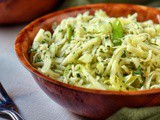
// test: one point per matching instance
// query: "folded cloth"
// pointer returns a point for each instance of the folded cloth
(148, 113)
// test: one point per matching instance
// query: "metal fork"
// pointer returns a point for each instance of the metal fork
(7, 106)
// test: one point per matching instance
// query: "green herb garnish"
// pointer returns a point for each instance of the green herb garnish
(67, 69)
(32, 50)
(138, 71)
(43, 41)
(106, 37)
(38, 60)
(124, 54)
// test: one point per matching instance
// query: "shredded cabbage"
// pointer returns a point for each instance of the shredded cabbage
(100, 52)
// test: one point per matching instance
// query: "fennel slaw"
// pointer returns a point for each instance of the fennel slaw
(100, 52)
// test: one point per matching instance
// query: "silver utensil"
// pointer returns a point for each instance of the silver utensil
(7, 106)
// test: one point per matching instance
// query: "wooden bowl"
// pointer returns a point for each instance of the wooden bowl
(97, 104)
(18, 11)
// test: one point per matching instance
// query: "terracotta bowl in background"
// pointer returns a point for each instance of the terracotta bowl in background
(18, 11)
(97, 104)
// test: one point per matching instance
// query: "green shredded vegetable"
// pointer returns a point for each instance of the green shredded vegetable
(117, 32)
(100, 52)
(69, 33)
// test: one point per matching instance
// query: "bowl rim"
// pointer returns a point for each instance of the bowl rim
(29, 67)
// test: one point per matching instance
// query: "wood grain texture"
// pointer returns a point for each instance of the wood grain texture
(97, 104)
(17, 11)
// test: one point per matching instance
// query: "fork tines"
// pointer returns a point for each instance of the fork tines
(5, 96)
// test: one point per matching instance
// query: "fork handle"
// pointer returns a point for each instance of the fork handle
(13, 114)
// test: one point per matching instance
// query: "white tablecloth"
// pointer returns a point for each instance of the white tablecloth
(32, 102)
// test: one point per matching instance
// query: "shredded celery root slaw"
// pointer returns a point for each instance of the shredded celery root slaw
(100, 52)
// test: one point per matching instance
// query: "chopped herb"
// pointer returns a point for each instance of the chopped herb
(91, 37)
(67, 69)
(32, 50)
(84, 28)
(61, 30)
(48, 34)
(106, 37)
(101, 51)
(138, 71)
(141, 85)
(43, 41)
(38, 60)
(124, 54)
(53, 67)
(54, 37)
(110, 23)
(78, 75)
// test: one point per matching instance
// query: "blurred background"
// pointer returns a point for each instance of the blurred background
(67, 3)
(20, 11)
